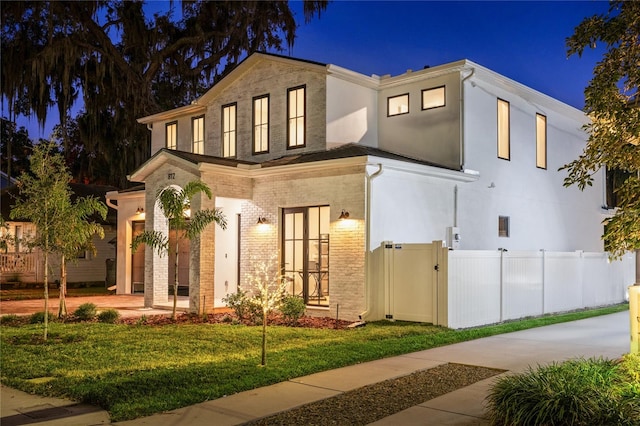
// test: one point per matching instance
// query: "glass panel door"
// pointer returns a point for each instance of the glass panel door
(306, 253)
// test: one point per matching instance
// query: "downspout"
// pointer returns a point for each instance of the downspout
(462, 140)
(367, 240)
(110, 203)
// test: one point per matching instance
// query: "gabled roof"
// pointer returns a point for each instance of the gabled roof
(199, 105)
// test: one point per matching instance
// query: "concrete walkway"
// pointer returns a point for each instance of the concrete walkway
(604, 336)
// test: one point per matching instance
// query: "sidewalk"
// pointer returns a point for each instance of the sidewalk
(604, 336)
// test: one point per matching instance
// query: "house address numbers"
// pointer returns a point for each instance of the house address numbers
(171, 176)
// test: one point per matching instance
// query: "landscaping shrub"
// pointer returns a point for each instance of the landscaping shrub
(109, 316)
(10, 319)
(243, 306)
(86, 312)
(38, 318)
(575, 392)
(292, 308)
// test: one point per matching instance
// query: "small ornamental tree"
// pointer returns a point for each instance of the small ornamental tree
(174, 202)
(268, 291)
(44, 197)
(79, 236)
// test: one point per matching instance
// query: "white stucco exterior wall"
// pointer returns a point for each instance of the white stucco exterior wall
(543, 213)
(352, 112)
(226, 254)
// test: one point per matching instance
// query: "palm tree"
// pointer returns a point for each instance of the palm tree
(174, 203)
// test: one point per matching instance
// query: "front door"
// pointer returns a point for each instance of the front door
(305, 260)
(137, 260)
(183, 264)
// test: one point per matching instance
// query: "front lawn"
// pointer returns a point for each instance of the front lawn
(138, 370)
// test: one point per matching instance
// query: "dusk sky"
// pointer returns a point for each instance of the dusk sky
(522, 40)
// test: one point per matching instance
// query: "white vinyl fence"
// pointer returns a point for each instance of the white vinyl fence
(486, 287)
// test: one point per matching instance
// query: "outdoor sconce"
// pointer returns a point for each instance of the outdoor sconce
(140, 210)
(262, 221)
(344, 215)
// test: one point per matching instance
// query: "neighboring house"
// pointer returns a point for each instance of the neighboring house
(21, 264)
(321, 165)
(6, 181)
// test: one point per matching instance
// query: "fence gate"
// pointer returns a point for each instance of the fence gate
(410, 276)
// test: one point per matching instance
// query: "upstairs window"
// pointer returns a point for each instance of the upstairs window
(397, 105)
(541, 141)
(172, 135)
(261, 124)
(433, 98)
(197, 135)
(229, 130)
(503, 130)
(296, 117)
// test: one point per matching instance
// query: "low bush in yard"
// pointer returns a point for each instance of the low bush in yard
(575, 392)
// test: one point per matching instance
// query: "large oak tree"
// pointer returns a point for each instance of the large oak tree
(124, 64)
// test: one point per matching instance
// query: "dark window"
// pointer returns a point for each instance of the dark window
(503, 226)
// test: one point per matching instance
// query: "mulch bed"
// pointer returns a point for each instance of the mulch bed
(185, 318)
(368, 404)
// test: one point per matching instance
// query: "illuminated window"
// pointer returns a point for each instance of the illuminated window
(295, 116)
(541, 141)
(229, 130)
(503, 130)
(433, 98)
(261, 124)
(503, 226)
(172, 135)
(397, 105)
(197, 135)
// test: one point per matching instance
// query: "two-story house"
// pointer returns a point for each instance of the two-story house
(319, 165)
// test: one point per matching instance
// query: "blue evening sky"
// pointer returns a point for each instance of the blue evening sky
(523, 40)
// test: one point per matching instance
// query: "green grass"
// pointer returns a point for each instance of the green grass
(135, 371)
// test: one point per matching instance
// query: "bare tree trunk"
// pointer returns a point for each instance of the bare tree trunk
(175, 280)
(62, 310)
(264, 337)
(46, 291)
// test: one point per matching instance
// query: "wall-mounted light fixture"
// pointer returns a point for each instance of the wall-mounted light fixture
(262, 221)
(344, 215)
(140, 210)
